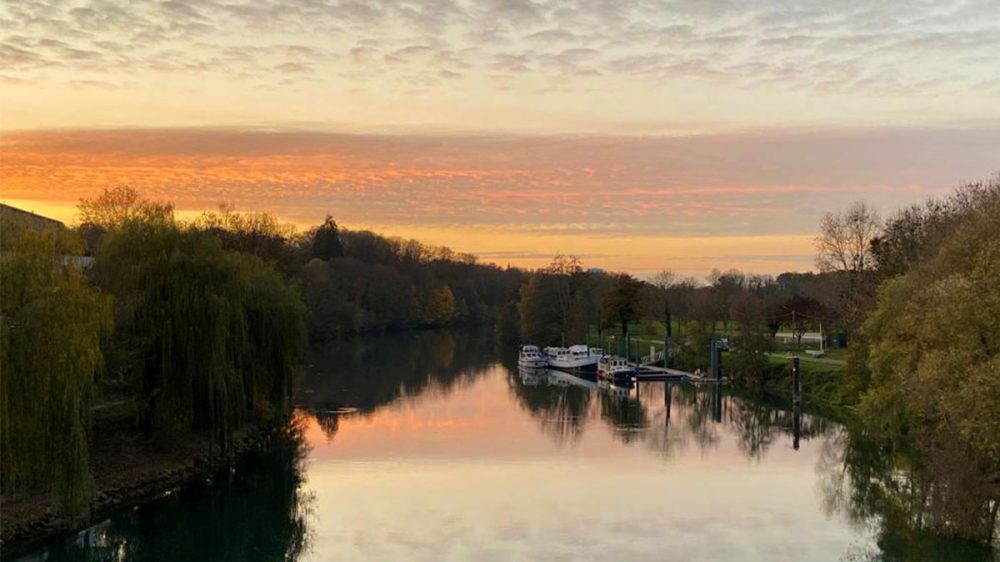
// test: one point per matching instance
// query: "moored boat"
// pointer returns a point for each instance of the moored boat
(573, 358)
(614, 367)
(530, 357)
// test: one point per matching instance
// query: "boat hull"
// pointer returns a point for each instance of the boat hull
(574, 365)
(617, 375)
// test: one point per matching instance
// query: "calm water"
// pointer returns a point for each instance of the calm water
(433, 447)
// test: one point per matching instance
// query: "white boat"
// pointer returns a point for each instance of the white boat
(531, 358)
(573, 358)
(614, 367)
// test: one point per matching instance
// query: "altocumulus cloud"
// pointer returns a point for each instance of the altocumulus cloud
(699, 185)
(909, 48)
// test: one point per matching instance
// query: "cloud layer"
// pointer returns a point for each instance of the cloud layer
(751, 199)
(557, 66)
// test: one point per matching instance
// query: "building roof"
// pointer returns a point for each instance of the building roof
(33, 220)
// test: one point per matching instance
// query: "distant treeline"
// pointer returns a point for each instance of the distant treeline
(358, 281)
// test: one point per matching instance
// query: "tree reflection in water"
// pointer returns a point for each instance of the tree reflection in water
(909, 498)
(923, 503)
(255, 512)
(356, 376)
(624, 412)
(560, 401)
(915, 500)
(665, 416)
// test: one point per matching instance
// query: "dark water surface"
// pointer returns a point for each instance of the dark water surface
(431, 446)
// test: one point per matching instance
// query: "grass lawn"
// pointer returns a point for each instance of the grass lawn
(808, 365)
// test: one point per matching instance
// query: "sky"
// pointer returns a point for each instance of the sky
(684, 134)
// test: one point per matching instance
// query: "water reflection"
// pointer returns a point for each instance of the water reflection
(431, 446)
(255, 512)
(355, 376)
(566, 403)
(926, 505)
(560, 401)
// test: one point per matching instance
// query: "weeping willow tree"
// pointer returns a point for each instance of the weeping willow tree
(275, 337)
(51, 322)
(207, 336)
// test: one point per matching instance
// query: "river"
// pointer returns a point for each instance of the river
(433, 446)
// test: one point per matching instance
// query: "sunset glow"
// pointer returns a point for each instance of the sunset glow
(641, 137)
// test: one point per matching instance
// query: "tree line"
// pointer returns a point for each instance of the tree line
(358, 281)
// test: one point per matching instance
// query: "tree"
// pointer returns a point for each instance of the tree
(508, 327)
(566, 272)
(255, 233)
(326, 242)
(725, 287)
(332, 303)
(440, 307)
(538, 307)
(913, 235)
(799, 313)
(749, 363)
(51, 323)
(205, 335)
(844, 241)
(118, 205)
(658, 303)
(933, 353)
(844, 245)
(621, 303)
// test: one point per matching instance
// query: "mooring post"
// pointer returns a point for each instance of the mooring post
(718, 362)
(717, 402)
(667, 397)
(666, 339)
(711, 359)
(796, 381)
(666, 351)
(796, 425)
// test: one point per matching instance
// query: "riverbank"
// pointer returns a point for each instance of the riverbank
(128, 470)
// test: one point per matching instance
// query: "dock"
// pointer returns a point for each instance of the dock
(652, 373)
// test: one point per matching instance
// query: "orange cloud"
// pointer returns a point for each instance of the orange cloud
(636, 204)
